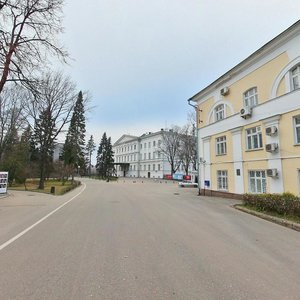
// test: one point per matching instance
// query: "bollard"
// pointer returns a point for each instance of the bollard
(52, 190)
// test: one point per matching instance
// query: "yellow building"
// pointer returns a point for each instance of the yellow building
(249, 122)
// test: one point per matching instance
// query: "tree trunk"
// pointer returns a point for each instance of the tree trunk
(42, 176)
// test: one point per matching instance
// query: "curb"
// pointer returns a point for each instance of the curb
(279, 221)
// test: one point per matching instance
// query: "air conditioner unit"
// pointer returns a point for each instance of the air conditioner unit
(273, 147)
(272, 130)
(272, 172)
(224, 91)
(246, 112)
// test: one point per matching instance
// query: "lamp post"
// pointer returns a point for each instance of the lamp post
(197, 146)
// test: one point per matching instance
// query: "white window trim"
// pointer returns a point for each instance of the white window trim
(218, 112)
(224, 141)
(227, 108)
(248, 97)
(253, 134)
(264, 188)
(292, 77)
(222, 176)
(285, 72)
(295, 126)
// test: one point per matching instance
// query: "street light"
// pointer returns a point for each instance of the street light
(197, 148)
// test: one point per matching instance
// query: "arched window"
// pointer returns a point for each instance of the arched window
(250, 97)
(295, 77)
(219, 112)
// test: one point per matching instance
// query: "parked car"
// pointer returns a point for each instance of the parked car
(187, 183)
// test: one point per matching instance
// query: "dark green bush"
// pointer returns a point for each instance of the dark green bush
(283, 204)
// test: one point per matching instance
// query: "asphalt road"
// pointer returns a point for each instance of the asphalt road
(140, 241)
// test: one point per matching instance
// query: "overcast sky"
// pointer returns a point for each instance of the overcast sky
(141, 60)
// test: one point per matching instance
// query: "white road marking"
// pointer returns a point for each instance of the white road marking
(39, 221)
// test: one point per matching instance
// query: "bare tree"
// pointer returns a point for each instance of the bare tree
(12, 116)
(28, 32)
(170, 146)
(187, 151)
(50, 109)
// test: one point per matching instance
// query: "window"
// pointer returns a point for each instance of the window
(149, 167)
(297, 129)
(154, 143)
(149, 144)
(145, 145)
(295, 73)
(159, 143)
(257, 182)
(250, 97)
(144, 167)
(149, 155)
(144, 155)
(153, 167)
(254, 138)
(221, 145)
(158, 167)
(222, 178)
(219, 112)
(141, 146)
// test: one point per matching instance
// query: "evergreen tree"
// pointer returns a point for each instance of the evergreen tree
(44, 138)
(105, 157)
(101, 156)
(73, 152)
(90, 148)
(109, 158)
(17, 156)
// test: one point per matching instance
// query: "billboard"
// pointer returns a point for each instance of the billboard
(3, 182)
(177, 176)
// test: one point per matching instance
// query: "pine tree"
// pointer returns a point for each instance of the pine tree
(44, 138)
(90, 148)
(109, 158)
(105, 157)
(100, 165)
(73, 152)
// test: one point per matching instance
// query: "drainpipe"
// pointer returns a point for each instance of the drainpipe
(197, 146)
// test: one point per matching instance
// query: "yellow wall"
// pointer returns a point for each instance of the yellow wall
(288, 148)
(262, 78)
(253, 154)
(286, 134)
(221, 158)
(205, 109)
(230, 170)
(281, 90)
(290, 169)
(254, 165)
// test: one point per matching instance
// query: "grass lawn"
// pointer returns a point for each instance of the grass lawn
(32, 185)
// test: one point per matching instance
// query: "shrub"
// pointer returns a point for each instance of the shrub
(283, 204)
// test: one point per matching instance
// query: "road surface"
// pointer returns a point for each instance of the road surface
(141, 240)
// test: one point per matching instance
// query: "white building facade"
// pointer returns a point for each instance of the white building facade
(142, 157)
